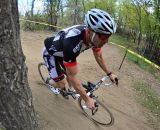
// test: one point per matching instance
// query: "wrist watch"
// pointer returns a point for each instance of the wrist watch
(109, 73)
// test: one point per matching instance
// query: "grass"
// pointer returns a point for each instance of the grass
(147, 97)
(150, 100)
(1, 127)
(140, 62)
(144, 65)
(119, 39)
(124, 41)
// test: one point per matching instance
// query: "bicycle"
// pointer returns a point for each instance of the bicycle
(101, 115)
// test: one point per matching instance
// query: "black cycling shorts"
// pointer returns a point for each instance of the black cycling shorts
(55, 66)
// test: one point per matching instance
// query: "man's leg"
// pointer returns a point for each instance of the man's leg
(55, 71)
(59, 84)
(69, 84)
(57, 74)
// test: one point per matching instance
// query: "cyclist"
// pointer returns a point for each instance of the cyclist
(61, 50)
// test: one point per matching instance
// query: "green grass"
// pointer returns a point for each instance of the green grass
(119, 39)
(140, 62)
(150, 100)
(124, 41)
(147, 97)
(2, 128)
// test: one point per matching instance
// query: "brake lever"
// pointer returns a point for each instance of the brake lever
(111, 83)
(116, 79)
(96, 109)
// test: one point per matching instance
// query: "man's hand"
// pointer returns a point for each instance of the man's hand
(113, 78)
(90, 103)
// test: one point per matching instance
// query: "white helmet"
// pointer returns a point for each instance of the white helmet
(100, 21)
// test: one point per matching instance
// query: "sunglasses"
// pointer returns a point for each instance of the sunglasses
(103, 37)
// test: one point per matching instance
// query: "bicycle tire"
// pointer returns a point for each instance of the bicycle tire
(104, 116)
(43, 71)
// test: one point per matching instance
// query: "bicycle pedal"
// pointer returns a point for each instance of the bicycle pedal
(64, 94)
(47, 80)
(73, 96)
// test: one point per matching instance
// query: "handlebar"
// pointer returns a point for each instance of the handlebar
(107, 84)
(93, 87)
(90, 88)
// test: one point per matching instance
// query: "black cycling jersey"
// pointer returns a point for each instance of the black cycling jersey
(68, 44)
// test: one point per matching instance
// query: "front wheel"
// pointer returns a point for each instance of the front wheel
(102, 116)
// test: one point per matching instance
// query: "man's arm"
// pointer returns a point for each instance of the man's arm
(101, 62)
(75, 82)
(72, 76)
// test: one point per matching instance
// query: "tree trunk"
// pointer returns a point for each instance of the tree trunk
(75, 13)
(84, 9)
(62, 14)
(32, 7)
(16, 107)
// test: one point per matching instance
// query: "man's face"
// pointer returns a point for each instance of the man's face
(99, 39)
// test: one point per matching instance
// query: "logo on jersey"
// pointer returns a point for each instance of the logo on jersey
(78, 47)
(52, 48)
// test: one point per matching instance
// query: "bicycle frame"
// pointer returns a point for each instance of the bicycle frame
(93, 88)
(97, 85)
(90, 88)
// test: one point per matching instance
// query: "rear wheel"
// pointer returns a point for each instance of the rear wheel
(102, 116)
(43, 71)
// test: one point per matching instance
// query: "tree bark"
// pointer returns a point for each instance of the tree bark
(16, 107)
(75, 13)
(32, 7)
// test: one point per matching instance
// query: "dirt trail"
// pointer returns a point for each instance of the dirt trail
(56, 113)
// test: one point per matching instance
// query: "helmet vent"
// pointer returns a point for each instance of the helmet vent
(88, 24)
(93, 19)
(107, 17)
(101, 29)
(109, 25)
(100, 16)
